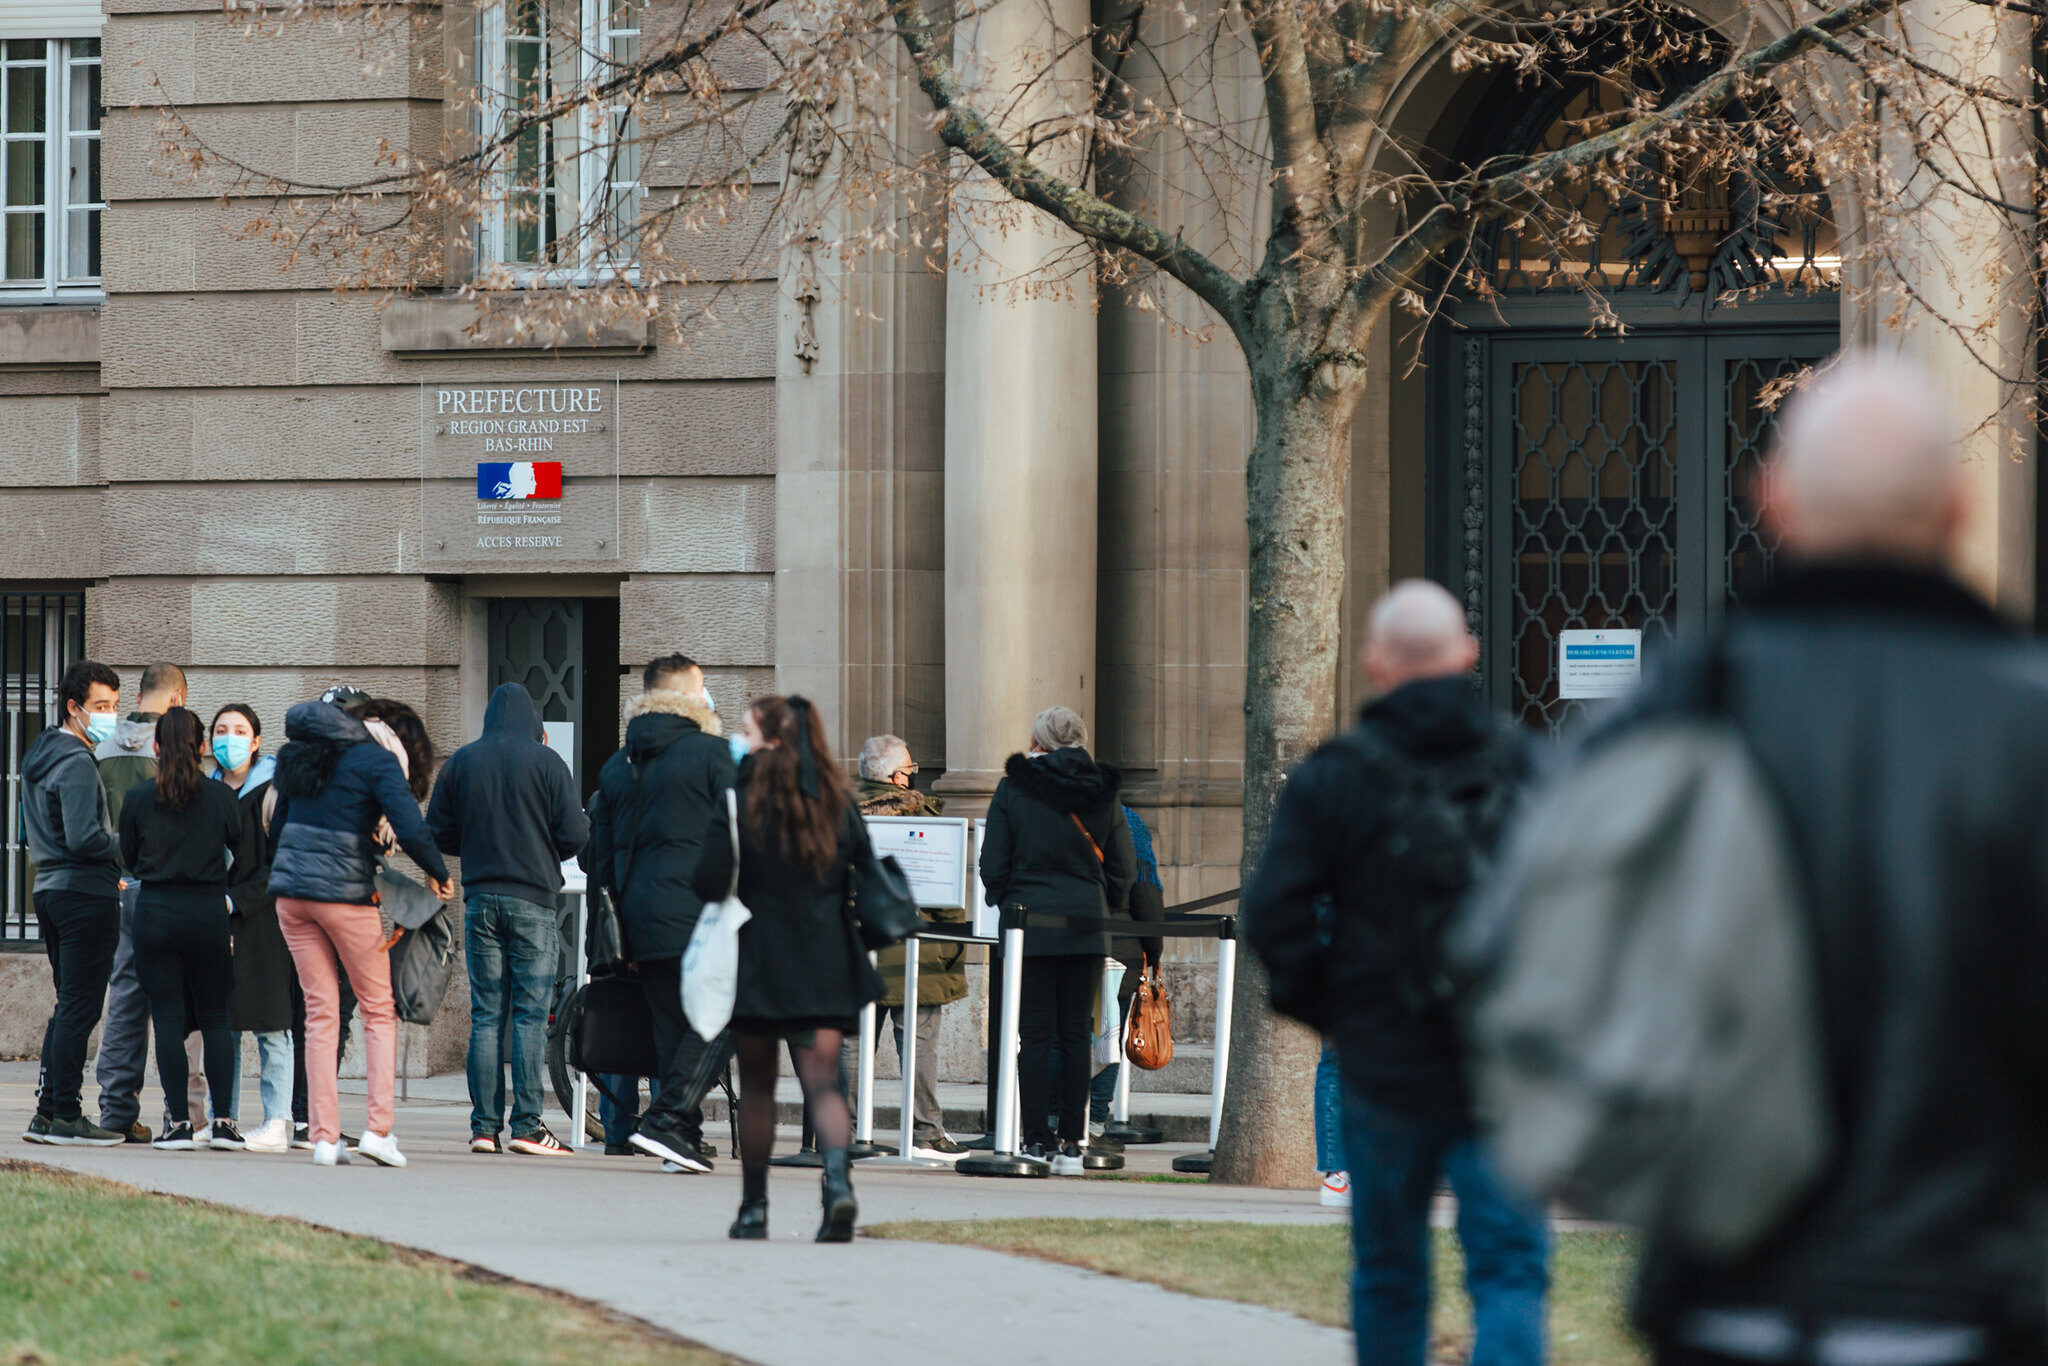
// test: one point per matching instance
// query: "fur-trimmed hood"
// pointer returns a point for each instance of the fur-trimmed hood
(688, 705)
(1067, 780)
(875, 798)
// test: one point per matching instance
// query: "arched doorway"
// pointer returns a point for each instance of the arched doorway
(1583, 479)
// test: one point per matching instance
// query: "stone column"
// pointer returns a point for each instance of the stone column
(1020, 420)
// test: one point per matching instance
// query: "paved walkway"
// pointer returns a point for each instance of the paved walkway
(614, 1230)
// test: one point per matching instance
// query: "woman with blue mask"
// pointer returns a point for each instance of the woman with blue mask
(265, 981)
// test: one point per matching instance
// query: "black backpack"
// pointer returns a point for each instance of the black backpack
(1439, 843)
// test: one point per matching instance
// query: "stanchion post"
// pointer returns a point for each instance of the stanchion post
(906, 1053)
(581, 1107)
(864, 1132)
(1226, 987)
(1003, 1125)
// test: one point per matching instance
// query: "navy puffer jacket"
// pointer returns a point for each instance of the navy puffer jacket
(333, 782)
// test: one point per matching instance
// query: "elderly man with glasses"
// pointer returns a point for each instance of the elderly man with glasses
(886, 773)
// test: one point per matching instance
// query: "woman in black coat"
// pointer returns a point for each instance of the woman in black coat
(1056, 841)
(803, 975)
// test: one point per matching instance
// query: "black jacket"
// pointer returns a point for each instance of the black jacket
(506, 806)
(264, 974)
(801, 961)
(65, 818)
(658, 794)
(1905, 730)
(1033, 856)
(187, 850)
(333, 782)
(1330, 911)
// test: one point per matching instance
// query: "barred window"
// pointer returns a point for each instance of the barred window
(49, 168)
(568, 190)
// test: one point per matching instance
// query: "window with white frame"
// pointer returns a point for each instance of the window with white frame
(568, 192)
(49, 168)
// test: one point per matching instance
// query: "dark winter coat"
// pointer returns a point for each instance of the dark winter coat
(264, 973)
(1329, 910)
(659, 795)
(1905, 729)
(333, 782)
(64, 817)
(1148, 902)
(941, 968)
(801, 961)
(1033, 856)
(506, 806)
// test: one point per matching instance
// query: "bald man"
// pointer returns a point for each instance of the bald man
(1905, 729)
(1377, 837)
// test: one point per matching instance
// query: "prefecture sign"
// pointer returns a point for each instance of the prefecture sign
(1593, 664)
(932, 853)
(519, 472)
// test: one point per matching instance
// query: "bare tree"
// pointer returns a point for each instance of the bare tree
(1299, 217)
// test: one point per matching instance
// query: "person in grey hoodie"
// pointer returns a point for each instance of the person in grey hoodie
(506, 806)
(128, 757)
(77, 892)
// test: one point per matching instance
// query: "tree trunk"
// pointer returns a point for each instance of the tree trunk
(1295, 517)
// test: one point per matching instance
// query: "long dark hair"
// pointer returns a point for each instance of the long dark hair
(794, 788)
(178, 740)
(405, 723)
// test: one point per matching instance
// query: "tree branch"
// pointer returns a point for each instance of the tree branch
(1301, 169)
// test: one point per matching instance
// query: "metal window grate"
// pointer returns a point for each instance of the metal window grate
(41, 635)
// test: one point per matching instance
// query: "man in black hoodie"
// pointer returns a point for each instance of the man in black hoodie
(658, 796)
(1377, 836)
(505, 804)
(77, 892)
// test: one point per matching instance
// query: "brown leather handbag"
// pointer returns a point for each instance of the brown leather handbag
(1148, 1040)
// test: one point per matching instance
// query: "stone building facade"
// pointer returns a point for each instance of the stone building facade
(933, 510)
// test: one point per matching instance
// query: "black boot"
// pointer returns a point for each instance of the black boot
(841, 1209)
(752, 1222)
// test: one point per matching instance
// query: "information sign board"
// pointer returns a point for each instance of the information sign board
(1593, 664)
(519, 472)
(932, 852)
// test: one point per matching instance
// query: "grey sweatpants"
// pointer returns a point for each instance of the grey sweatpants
(124, 1033)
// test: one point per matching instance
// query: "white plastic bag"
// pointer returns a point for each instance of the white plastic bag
(711, 965)
(1109, 1020)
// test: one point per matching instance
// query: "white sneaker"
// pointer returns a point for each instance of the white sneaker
(330, 1154)
(1095, 1128)
(1066, 1163)
(381, 1149)
(271, 1136)
(1337, 1190)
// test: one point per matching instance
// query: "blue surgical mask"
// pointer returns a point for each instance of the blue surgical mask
(738, 744)
(99, 726)
(232, 751)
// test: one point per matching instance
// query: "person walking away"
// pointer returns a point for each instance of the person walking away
(886, 771)
(1903, 727)
(128, 757)
(803, 973)
(1056, 841)
(1376, 838)
(179, 834)
(506, 805)
(76, 893)
(660, 792)
(335, 785)
(618, 1093)
(1138, 954)
(265, 981)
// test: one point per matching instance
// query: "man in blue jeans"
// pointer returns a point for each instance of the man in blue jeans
(506, 806)
(1375, 840)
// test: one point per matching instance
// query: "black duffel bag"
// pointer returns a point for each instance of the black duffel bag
(607, 1028)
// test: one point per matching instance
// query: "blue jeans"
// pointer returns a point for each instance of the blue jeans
(1395, 1162)
(620, 1120)
(1329, 1114)
(274, 1073)
(509, 947)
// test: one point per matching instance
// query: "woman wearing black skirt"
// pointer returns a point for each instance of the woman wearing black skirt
(803, 975)
(178, 834)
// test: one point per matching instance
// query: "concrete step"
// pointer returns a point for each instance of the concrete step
(1189, 1073)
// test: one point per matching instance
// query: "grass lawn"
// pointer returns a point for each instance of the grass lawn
(1306, 1271)
(92, 1271)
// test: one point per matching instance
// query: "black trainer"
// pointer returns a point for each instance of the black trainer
(38, 1130)
(227, 1135)
(670, 1145)
(176, 1138)
(302, 1137)
(80, 1132)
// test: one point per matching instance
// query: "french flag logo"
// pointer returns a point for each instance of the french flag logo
(519, 479)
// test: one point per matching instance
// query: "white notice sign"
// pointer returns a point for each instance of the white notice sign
(933, 855)
(1598, 663)
(560, 736)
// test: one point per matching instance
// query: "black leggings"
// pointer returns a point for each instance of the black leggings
(1058, 1001)
(182, 952)
(817, 1070)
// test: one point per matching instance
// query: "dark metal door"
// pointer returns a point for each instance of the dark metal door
(1617, 489)
(538, 642)
(41, 635)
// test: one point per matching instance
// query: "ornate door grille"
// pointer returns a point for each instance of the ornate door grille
(41, 635)
(1617, 482)
(538, 642)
